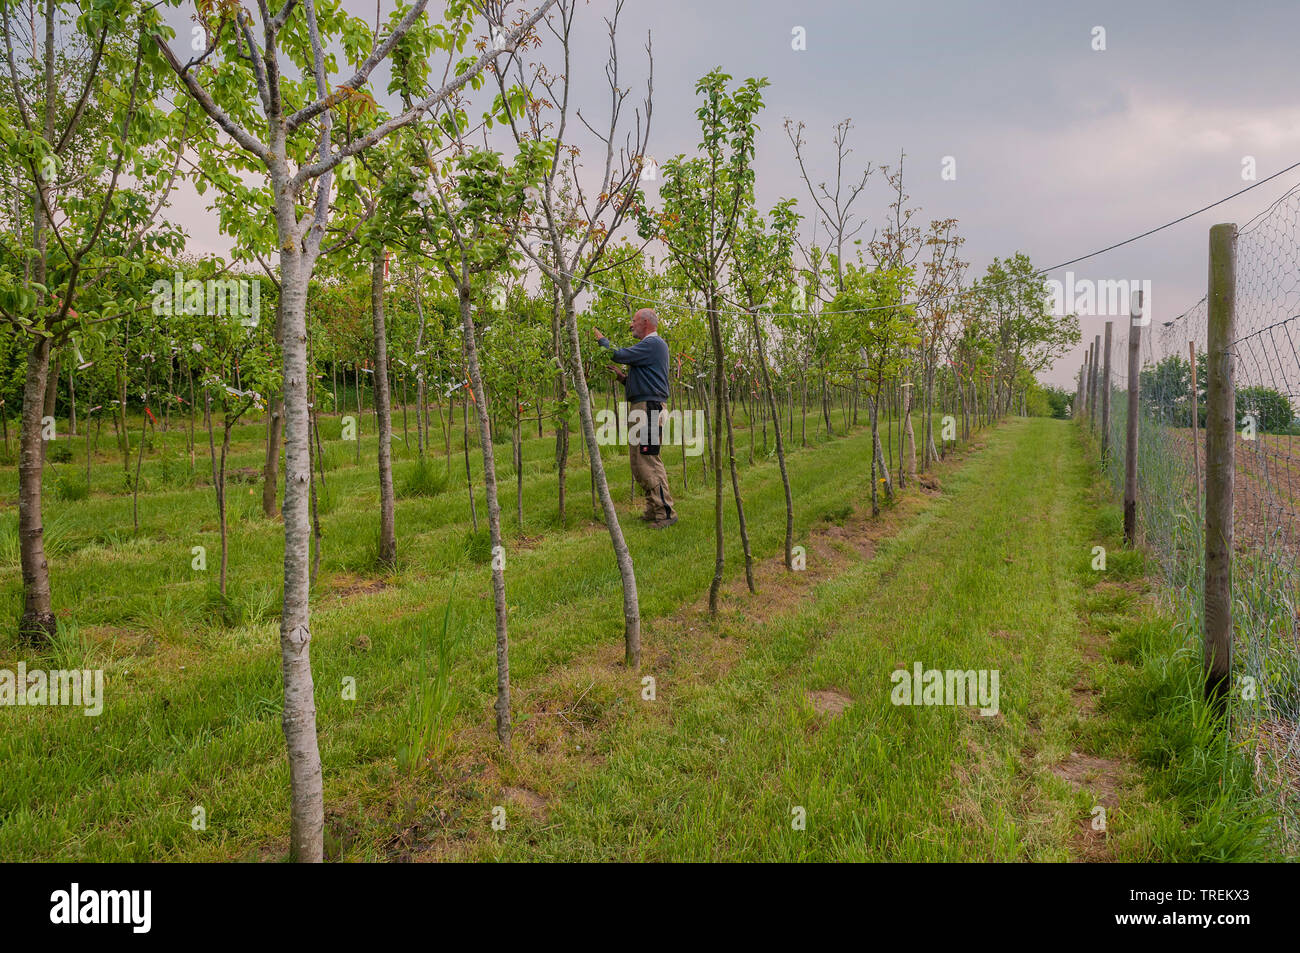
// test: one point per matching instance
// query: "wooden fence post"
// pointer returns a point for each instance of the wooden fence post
(1092, 393)
(1105, 394)
(1136, 315)
(1196, 439)
(1087, 387)
(1220, 440)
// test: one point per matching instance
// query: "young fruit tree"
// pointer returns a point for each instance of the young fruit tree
(571, 236)
(762, 267)
(80, 120)
(703, 198)
(272, 95)
(468, 217)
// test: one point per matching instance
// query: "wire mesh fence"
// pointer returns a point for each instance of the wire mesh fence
(1172, 466)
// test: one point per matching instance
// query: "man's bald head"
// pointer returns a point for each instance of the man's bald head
(643, 322)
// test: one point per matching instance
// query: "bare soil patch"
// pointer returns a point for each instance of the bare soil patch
(346, 585)
(829, 702)
(530, 802)
(1101, 777)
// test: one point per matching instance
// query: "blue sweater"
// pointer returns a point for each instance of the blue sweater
(647, 367)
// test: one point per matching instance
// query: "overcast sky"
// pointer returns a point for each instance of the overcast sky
(1059, 149)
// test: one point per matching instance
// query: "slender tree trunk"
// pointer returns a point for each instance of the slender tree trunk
(749, 414)
(315, 464)
(931, 451)
(419, 412)
(902, 402)
(690, 404)
(227, 424)
(72, 399)
(218, 484)
(88, 451)
(780, 447)
(518, 449)
(740, 506)
(880, 450)
(406, 427)
(313, 458)
(911, 439)
(826, 405)
(875, 462)
(189, 373)
(38, 622)
(719, 403)
(274, 431)
(356, 369)
(631, 605)
(562, 404)
(139, 459)
(803, 404)
(709, 459)
(123, 433)
(387, 521)
(52, 384)
(271, 464)
(446, 430)
(958, 402)
(306, 837)
(494, 519)
(469, 480)
(171, 391)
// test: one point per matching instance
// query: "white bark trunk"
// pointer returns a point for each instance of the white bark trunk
(494, 519)
(298, 719)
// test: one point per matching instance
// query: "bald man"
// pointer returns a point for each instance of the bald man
(646, 383)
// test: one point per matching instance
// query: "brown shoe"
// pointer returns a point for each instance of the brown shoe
(663, 524)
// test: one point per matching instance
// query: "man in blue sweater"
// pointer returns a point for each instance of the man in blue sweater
(646, 382)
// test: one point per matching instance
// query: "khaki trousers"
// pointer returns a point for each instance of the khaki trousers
(650, 474)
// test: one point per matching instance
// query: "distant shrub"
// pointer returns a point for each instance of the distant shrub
(1271, 408)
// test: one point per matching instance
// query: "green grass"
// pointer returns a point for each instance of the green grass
(996, 575)
(993, 573)
(192, 681)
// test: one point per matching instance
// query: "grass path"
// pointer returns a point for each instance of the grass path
(995, 574)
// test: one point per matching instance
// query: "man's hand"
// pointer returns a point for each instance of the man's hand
(598, 333)
(619, 373)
